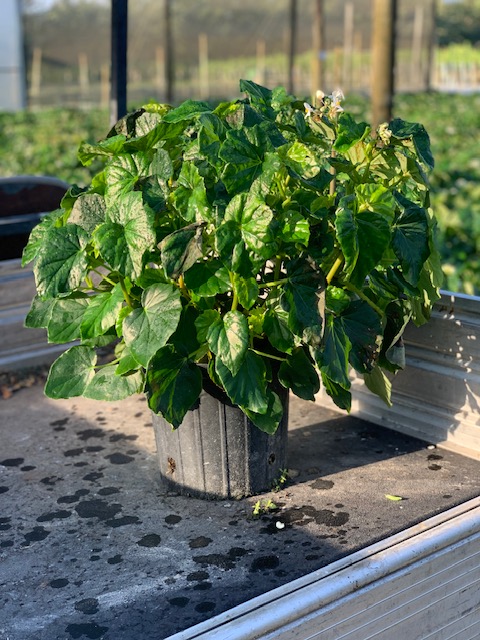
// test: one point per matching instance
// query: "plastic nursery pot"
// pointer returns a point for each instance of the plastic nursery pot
(218, 453)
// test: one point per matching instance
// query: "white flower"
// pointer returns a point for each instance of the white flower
(384, 133)
(336, 97)
(309, 110)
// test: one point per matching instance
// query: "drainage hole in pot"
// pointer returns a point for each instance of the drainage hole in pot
(171, 466)
(271, 458)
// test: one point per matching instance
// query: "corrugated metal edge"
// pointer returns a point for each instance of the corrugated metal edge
(287, 607)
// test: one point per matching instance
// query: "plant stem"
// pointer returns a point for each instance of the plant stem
(275, 283)
(360, 294)
(128, 300)
(268, 355)
(335, 267)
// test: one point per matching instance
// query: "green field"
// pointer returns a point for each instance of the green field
(45, 142)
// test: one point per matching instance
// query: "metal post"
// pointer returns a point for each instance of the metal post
(118, 82)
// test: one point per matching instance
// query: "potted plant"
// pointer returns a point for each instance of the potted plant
(234, 254)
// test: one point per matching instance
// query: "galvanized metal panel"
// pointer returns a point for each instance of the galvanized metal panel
(19, 346)
(421, 583)
(437, 397)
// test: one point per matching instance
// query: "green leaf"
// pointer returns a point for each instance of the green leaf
(303, 297)
(38, 235)
(363, 326)
(277, 330)
(298, 374)
(71, 372)
(410, 239)
(127, 363)
(127, 236)
(388, 496)
(419, 136)
(186, 111)
(65, 319)
(102, 312)
(62, 270)
(173, 385)
(254, 218)
(181, 249)
(147, 329)
(247, 389)
(295, 228)
(228, 338)
(210, 136)
(349, 132)
(204, 322)
(334, 357)
(123, 173)
(161, 165)
(379, 384)
(105, 148)
(259, 96)
(243, 161)
(207, 279)
(377, 199)
(108, 385)
(88, 211)
(190, 197)
(40, 312)
(246, 290)
(363, 236)
(341, 397)
(231, 248)
(270, 420)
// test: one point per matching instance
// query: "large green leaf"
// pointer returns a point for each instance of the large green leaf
(349, 132)
(334, 356)
(62, 270)
(363, 326)
(127, 236)
(419, 136)
(270, 420)
(173, 385)
(228, 338)
(410, 239)
(342, 397)
(210, 136)
(186, 111)
(260, 97)
(278, 332)
(65, 319)
(298, 374)
(246, 290)
(105, 148)
(101, 313)
(208, 278)
(253, 217)
(123, 173)
(303, 297)
(247, 388)
(147, 328)
(181, 249)
(231, 248)
(108, 385)
(38, 236)
(88, 211)
(363, 236)
(40, 312)
(71, 372)
(190, 197)
(379, 384)
(243, 161)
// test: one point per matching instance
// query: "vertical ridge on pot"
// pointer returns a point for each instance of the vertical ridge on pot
(217, 452)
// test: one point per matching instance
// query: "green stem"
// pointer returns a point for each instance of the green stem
(268, 355)
(335, 267)
(275, 283)
(360, 294)
(128, 300)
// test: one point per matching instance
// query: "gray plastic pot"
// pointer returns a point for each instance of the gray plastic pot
(218, 453)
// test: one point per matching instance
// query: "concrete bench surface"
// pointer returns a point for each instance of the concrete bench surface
(90, 548)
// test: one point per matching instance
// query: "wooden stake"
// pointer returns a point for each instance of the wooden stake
(383, 60)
